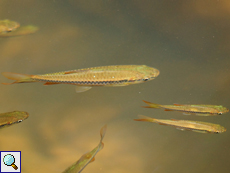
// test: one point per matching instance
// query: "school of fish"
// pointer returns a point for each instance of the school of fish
(109, 76)
(196, 126)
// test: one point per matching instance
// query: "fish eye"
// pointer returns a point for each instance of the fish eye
(19, 121)
(146, 79)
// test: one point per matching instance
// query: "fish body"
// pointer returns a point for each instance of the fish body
(10, 118)
(24, 30)
(202, 110)
(118, 75)
(196, 126)
(8, 25)
(88, 157)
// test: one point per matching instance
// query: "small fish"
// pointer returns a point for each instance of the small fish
(8, 26)
(24, 30)
(196, 126)
(88, 157)
(10, 118)
(118, 75)
(202, 110)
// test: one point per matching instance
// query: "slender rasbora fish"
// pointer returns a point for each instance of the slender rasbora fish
(10, 118)
(119, 75)
(88, 157)
(196, 126)
(202, 110)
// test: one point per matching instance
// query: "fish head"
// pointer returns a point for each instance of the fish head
(18, 116)
(9, 25)
(148, 73)
(222, 110)
(220, 129)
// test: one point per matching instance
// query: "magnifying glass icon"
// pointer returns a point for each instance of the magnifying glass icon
(9, 160)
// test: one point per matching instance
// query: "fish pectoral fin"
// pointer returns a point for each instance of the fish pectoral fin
(80, 89)
(186, 113)
(200, 131)
(51, 83)
(203, 114)
(182, 129)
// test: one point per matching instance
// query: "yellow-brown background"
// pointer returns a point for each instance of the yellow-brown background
(189, 42)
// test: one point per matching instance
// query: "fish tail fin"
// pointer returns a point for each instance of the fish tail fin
(145, 118)
(102, 132)
(19, 78)
(151, 105)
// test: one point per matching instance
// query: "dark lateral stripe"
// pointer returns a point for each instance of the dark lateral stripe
(192, 112)
(198, 112)
(84, 82)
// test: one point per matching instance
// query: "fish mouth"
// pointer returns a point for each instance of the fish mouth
(155, 73)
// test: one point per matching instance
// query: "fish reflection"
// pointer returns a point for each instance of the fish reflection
(10, 118)
(196, 126)
(118, 75)
(88, 157)
(202, 110)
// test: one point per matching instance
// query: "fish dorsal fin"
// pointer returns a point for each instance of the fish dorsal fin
(51, 83)
(175, 104)
(69, 72)
(174, 120)
(168, 110)
(80, 89)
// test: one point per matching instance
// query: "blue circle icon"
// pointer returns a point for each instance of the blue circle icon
(9, 160)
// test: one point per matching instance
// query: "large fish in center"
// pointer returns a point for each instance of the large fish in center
(118, 75)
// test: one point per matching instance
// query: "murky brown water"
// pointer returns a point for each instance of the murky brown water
(188, 42)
